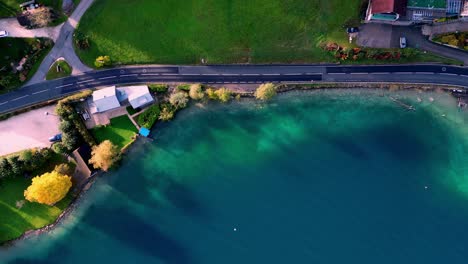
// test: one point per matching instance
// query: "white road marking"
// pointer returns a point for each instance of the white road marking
(190, 74)
(109, 77)
(251, 74)
(359, 73)
(293, 73)
(449, 74)
(4, 103)
(85, 81)
(150, 74)
(19, 98)
(129, 75)
(424, 73)
(65, 85)
(405, 72)
(210, 74)
(337, 73)
(170, 74)
(40, 91)
(271, 74)
(381, 73)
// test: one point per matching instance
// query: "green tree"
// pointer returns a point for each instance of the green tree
(102, 61)
(178, 99)
(223, 94)
(196, 92)
(17, 166)
(48, 188)
(104, 156)
(6, 171)
(265, 91)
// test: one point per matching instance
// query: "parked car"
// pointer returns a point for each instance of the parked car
(402, 42)
(3, 34)
(56, 138)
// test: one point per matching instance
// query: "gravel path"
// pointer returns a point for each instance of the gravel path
(12, 26)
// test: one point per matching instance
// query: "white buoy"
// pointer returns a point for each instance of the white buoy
(235, 229)
(425, 187)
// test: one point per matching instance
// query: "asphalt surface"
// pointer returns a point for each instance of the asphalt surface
(235, 74)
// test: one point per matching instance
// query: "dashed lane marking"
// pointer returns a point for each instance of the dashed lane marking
(19, 98)
(40, 91)
(129, 75)
(150, 74)
(85, 81)
(65, 85)
(109, 77)
(4, 103)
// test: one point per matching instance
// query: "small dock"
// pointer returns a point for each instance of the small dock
(407, 106)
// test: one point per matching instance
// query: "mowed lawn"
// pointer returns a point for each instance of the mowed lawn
(220, 31)
(119, 132)
(14, 221)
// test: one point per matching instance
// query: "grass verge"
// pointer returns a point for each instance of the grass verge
(65, 70)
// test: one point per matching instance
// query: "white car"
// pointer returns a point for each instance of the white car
(402, 42)
(3, 34)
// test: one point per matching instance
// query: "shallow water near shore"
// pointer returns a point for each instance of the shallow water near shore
(335, 176)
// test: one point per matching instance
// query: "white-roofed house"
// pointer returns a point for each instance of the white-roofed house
(138, 96)
(105, 99)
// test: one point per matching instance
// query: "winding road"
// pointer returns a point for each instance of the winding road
(233, 74)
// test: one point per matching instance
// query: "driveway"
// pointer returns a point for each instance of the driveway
(12, 26)
(28, 130)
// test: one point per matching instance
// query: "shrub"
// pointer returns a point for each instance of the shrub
(265, 91)
(81, 40)
(167, 114)
(102, 61)
(196, 92)
(211, 94)
(223, 94)
(179, 99)
(158, 88)
(184, 87)
(63, 169)
(48, 188)
(149, 116)
(59, 148)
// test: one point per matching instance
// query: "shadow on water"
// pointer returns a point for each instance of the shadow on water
(132, 231)
(141, 190)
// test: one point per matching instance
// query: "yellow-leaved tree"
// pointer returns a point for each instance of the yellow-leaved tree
(48, 188)
(265, 91)
(104, 155)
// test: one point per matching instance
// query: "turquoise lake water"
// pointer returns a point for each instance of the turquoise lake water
(339, 176)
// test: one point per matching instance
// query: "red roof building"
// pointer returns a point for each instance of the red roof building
(386, 9)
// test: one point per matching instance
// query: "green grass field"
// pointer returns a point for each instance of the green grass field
(119, 132)
(14, 221)
(66, 70)
(222, 31)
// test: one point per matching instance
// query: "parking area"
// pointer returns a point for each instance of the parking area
(28, 130)
(374, 35)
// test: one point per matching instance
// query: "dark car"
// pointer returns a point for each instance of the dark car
(56, 138)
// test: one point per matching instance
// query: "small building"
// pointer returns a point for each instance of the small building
(138, 96)
(386, 10)
(105, 99)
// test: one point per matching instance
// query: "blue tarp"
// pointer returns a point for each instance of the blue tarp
(144, 131)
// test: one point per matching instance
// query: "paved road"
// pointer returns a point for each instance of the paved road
(17, 31)
(437, 74)
(63, 47)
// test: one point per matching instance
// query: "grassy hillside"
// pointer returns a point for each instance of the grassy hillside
(221, 31)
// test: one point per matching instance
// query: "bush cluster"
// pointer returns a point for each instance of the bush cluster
(222, 94)
(158, 88)
(26, 162)
(459, 40)
(149, 116)
(167, 112)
